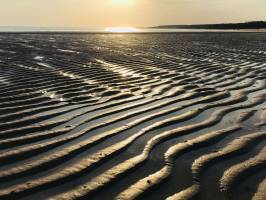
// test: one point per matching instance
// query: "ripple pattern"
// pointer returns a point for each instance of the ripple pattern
(133, 116)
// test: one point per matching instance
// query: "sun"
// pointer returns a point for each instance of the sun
(122, 2)
(121, 29)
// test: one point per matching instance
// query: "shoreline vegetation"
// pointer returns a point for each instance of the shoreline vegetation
(223, 26)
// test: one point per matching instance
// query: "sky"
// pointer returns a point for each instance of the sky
(133, 13)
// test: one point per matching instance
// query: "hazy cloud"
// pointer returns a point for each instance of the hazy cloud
(98, 13)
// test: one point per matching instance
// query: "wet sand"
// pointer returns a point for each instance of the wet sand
(133, 116)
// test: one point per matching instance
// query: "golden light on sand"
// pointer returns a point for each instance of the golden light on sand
(121, 29)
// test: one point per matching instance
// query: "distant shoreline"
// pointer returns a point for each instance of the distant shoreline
(223, 26)
(141, 31)
(256, 27)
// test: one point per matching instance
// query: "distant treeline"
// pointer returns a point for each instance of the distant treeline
(246, 25)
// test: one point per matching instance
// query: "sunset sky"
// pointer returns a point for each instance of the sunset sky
(137, 13)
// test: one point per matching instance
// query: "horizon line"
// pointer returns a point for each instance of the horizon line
(102, 27)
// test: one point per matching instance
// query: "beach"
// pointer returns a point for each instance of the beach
(133, 116)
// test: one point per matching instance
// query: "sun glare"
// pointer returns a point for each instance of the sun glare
(122, 2)
(121, 29)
